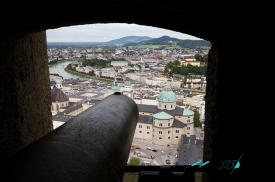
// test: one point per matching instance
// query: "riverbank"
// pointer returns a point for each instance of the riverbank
(82, 75)
(56, 62)
(76, 73)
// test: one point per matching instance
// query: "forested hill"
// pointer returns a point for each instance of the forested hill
(129, 39)
(166, 40)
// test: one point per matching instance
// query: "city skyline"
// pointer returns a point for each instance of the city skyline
(108, 32)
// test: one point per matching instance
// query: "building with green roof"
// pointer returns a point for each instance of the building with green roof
(164, 123)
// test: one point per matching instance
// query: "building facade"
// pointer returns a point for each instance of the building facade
(165, 122)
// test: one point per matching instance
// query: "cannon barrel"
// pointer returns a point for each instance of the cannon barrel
(93, 146)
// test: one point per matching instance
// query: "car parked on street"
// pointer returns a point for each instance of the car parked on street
(148, 148)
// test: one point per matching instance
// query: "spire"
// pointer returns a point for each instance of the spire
(115, 87)
(167, 86)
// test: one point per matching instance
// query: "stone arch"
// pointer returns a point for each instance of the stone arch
(22, 44)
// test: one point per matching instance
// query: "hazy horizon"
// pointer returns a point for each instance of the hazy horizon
(107, 32)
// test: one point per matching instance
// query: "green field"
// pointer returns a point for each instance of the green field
(148, 46)
(193, 91)
(102, 79)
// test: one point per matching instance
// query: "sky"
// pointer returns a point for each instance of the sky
(108, 32)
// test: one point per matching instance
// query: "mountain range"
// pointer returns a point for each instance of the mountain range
(138, 40)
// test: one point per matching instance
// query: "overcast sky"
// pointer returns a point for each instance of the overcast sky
(107, 32)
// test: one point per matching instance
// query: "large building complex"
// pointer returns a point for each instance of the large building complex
(165, 122)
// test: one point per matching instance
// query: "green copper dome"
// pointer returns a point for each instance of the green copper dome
(167, 95)
(116, 88)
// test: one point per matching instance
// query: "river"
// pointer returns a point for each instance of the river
(59, 69)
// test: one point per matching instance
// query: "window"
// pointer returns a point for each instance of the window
(168, 137)
(168, 124)
(188, 128)
(177, 137)
(143, 113)
(179, 117)
(140, 131)
(140, 126)
(148, 132)
(169, 132)
(171, 106)
(165, 106)
(177, 131)
(160, 124)
(148, 127)
(160, 132)
(160, 138)
(188, 120)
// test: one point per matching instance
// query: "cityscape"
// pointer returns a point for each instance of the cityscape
(168, 131)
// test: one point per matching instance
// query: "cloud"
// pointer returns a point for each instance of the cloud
(109, 31)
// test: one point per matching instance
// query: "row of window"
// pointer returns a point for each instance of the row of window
(148, 127)
(140, 126)
(165, 106)
(168, 137)
(141, 132)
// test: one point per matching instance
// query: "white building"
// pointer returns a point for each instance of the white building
(56, 81)
(108, 72)
(119, 63)
(155, 81)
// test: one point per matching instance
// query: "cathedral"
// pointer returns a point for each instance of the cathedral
(165, 122)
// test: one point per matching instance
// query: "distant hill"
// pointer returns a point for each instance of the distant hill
(120, 41)
(129, 39)
(166, 41)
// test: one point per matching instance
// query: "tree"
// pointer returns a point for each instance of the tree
(197, 121)
(169, 65)
(198, 57)
(91, 73)
(177, 63)
(134, 161)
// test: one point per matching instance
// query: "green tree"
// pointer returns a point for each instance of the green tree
(134, 161)
(129, 71)
(177, 62)
(198, 57)
(169, 65)
(197, 121)
(91, 73)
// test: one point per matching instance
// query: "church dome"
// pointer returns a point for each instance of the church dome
(167, 95)
(58, 95)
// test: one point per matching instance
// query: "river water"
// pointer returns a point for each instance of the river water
(59, 69)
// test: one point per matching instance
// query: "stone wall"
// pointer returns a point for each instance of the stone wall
(25, 93)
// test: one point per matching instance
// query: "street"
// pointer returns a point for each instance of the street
(162, 152)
